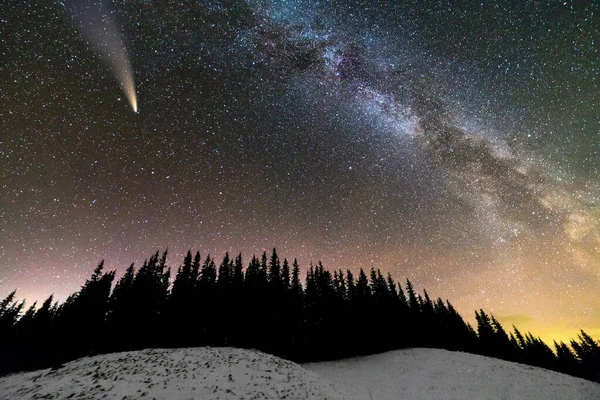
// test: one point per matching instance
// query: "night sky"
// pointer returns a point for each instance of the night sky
(457, 146)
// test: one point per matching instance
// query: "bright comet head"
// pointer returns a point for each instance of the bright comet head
(129, 89)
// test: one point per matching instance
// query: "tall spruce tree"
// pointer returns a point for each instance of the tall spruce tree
(567, 361)
(285, 275)
(149, 295)
(121, 310)
(83, 316)
(588, 352)
(180, 299)
(10, 311)
(296, 285)
(206, 294)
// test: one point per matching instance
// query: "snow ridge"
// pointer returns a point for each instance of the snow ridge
(175, 374)
(234, 374)
(423, 374)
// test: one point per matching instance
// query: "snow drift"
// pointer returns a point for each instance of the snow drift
(423, 374)
(172, 374)
(236, 374)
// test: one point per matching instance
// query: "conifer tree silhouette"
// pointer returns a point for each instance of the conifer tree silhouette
(83, 315)
(274, 271)
(588, 352)
(206, 294)
(121, 308)
(285, 275)
(415, 333)
(7, 302)
(10, 310)
(34, 345)
(486, 334)
(566, 360)
(379, 311)
(298, 337)
(361, 311)
(223, 305)
(181, 297)
(274, 306)
(266, 307)
(297, 288)
(235, 304)
(149, 294)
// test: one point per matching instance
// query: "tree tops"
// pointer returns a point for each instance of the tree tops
(266, 306)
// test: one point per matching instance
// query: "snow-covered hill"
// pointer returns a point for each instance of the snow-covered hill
(235, 374)
(439, 374)
(179, 374)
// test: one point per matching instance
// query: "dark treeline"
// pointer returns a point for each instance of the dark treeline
(264, 306)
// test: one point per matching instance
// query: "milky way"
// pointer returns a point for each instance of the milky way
(454, 146)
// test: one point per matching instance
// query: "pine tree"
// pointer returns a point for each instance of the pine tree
(206, 294)
(225, 272)
(274, 271)
(149, 295)
(223, 306)
(298, 339)
(567, 361)
(263, 268)
(391, 287)
(195, 274)
(588, 352)
(34, 331)
(182, 284)
(235, 328)
(310, 291)
(414, 333)
(362, 318)
(255, 301)
(413, 302)
(339, 283)
(180, 299)
(363, 290)
(463, 336)
(121, 308)
(6, 302)
(381, 303)
(238, 273)
(297, 289)
(520, 340)
(285, 275)
(486, 333)
(83, 315)
(351, 285)
(10, 310)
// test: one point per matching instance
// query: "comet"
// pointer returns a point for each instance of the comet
(95, 21)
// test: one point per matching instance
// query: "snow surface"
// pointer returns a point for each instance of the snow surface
(439, 374)
(193, 373)
(236, 374)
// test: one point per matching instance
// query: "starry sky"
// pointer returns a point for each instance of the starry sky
(454, 145)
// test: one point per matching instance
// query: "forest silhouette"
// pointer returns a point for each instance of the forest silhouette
(264, 306)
